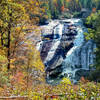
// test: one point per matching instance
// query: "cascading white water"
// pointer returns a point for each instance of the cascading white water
(57, 30)
(70, 51)
(81, 54)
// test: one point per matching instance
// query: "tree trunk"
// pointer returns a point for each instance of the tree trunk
(2, 39)
(8, 46)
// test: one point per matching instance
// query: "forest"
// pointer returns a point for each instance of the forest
(22, 70)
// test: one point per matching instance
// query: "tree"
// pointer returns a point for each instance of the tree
(94, 21)
(15, 24)
(18, 54)
(12, 18)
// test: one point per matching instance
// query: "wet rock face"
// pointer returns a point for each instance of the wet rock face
(64, 50)
(45, 48)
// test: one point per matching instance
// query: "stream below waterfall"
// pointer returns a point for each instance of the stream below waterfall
(64, 50)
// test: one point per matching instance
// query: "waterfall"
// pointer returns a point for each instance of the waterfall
(64, 50)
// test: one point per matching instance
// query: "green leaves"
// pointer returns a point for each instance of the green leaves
(94, 33)
(89, 35)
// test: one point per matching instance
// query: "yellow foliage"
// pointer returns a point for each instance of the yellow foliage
(1, 90)
(4, 69)
(10, 77)
(35, 59)
(3, 59)
(18, 28)
(12, 66)
(83, 90)
(66, 81)
(55, 99)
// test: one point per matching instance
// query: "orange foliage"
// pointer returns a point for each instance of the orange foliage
(54, 96)
(83, 80)
(93, 9)
(62, 8)
(68, 0)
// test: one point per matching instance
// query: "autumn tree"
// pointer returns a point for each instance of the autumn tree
(94, 21)
(18, 33)
(12, 17)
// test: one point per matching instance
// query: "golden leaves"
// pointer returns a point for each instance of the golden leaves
(66, 81)
(68, 0)
(94, 10)
(34, 56)
(3, 59)
(1, 23)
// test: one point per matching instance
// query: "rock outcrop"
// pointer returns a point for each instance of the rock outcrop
(64, 50)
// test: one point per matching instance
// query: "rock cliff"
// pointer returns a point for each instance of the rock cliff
(64, 50)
